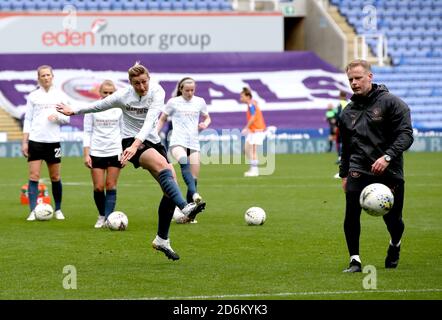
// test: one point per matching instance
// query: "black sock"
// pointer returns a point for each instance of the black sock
(165, 214)
(57, 191)
(99, 199)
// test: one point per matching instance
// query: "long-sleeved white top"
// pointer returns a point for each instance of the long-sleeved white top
(102, 133)
(185, 117)
(140, 114)
(40, 105)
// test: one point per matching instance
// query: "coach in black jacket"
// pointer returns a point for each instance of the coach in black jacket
(376, 130)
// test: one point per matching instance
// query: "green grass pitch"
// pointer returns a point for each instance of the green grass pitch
(299, 253)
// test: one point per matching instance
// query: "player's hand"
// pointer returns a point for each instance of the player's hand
(53, 117)
(202, 126)
(244, 131)
(344, 184)
(88, 162)
(64, 109)
(24, 149)
(128, 153)
(379, 166)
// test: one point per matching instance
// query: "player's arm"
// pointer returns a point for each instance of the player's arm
(206, 121)
(87, 137)
(25, 144)
(111, 101)
(27, 127)
(168, 111)
(402, 130)
(251, 120)
(205, 117)
(344, 164)
(161, 121)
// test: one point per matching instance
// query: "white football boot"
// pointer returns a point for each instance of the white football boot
(59, 215)
(100, 222)
(164, 246)
(253, 172)
(31, 216)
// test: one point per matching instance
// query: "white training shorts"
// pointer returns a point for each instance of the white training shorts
(256, 137)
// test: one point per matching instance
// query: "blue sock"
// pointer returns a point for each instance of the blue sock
(165, 214)
(109, 203)
(189, 194)
(32, 194)
(57, 191)
(170, 188)
(99, 198)
(187, 177)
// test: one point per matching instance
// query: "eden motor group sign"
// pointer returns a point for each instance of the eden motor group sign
(135, 32)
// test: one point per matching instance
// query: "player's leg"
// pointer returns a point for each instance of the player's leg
(248, 151)
(57, 187)
(34, 168)
(352, 220)
(52, 156)
(98, 176)
(162, 241)
(155, 161)
(180, 154)
(253, 140)
(163, 172)
(111, 189)
(395, 225)
(195, 164)
(254, 161)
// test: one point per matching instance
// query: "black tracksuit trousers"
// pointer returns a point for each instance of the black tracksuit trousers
(352, 227)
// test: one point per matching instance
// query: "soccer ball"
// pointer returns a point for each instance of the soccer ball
(376, 199)
(255, 216)
(178, 216)
(43, 212)
(117, 220)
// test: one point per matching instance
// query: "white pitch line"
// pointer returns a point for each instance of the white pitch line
(286, 294)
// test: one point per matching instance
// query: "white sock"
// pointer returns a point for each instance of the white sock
(253, 163)
(355, 257)
(395, 245)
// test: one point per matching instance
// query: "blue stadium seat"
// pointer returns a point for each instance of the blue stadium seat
(92, 5)
(129, 5)
(55, 5)
(226, 5)
(104, 5)
(190, 4)
(201, 5)
(117, 5)
(29, 5)
(142, 5)
(153, 4)
(166, 5)
(6, 5)
(17, 5)
(177, 5)
(80, 5)
(214, 5)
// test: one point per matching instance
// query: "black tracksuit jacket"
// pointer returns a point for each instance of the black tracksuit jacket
(373, 126)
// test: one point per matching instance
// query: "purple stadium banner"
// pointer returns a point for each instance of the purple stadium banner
(292, 88)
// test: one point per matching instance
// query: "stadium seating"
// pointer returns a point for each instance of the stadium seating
(413, 29)
(116, 5)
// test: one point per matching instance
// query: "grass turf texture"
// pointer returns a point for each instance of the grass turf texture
(299, 253)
